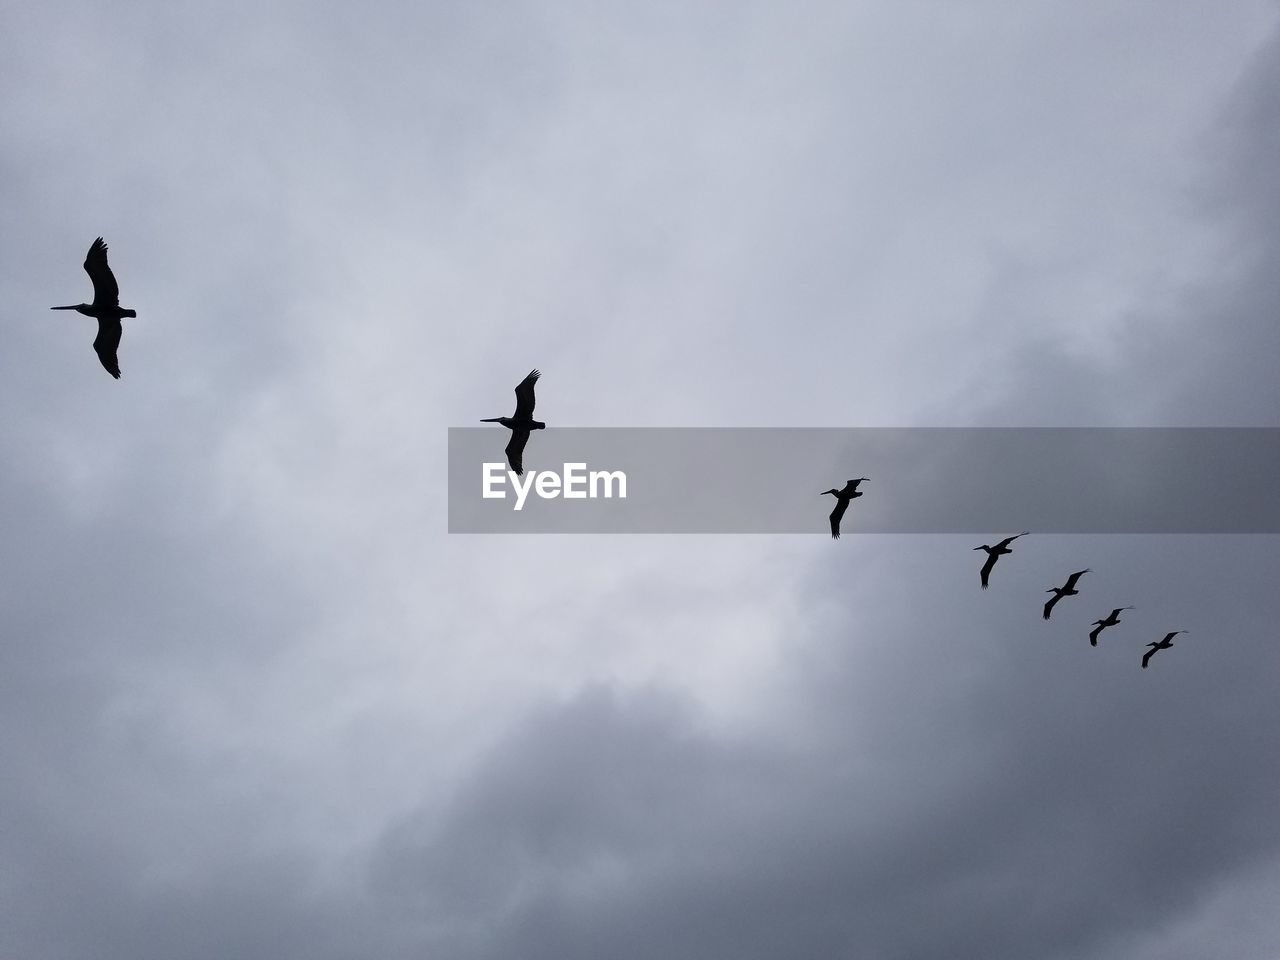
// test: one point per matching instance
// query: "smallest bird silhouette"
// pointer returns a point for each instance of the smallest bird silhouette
(995, 553)
(105, 307)
(1164, 644)
(1066, 590)
(843, 496)
(1111, 620)
(521, 422)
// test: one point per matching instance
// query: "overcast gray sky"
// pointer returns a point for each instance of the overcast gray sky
(255, 702)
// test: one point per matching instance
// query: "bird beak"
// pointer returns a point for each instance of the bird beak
(72, 307)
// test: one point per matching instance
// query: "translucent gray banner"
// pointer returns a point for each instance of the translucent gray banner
(922, 480)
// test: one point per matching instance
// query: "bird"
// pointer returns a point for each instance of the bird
(1112, 619)
(521, 422)
(105, 307)
(1164, 644)
(843, 496)
(994, 554)
(1067, 590)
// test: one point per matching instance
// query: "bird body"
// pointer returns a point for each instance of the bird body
(1164, 644)
(1066, 590)
(105, 308)
(843, 496)
(995, 553)
(1099, 625)
(521, 422)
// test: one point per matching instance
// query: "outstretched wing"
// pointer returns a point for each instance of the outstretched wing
(1147, 656)
(515, 450)
(1093, 636)
(1008, 540)
(988, 567)
(106, 292)
(1071, 580)
(1048, 607)
(836, 514)
(525, 399)
(106, 344)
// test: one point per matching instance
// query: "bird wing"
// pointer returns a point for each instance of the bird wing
(1093, 636)
(1147, 656)
(1048, 607)
(1008, 540)
(106, 292)
(1071, 580)
(515, 450)
(987, 568)
(836, 514)
(524, 397)
(106, 344)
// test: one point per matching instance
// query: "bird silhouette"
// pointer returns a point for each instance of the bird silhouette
(1164, 644)
(1066, 590)
(521, 422)
(843, 496)
(105, 307)
(1111, 620)
(995, 553)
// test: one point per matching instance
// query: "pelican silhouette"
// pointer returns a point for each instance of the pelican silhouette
(105, 307)
(1164, 644)
(1112, 619)
(1066, 590)
(843, 496)
(995, 553)
(521, 422)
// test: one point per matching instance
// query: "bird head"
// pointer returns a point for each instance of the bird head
(78, 307)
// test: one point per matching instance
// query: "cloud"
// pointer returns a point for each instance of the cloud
(255, 702)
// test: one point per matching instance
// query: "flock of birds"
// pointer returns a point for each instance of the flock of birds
(994, 552)
(1068, 589)
(107, 311)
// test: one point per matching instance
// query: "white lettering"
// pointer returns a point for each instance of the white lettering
(522, 491)
(571, 477)
(548, 485)
(608, 477)
(575, 483)
(490, 478)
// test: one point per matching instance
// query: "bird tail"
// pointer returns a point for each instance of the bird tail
(128, 313)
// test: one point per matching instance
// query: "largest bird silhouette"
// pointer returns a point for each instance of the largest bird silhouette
(105, 307)
(848, 492)
(1164, 644)
(1111, 620)
(1068, 589)
(995, 553)
(521, 422)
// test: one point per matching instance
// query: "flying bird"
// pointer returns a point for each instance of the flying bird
(995, 553)
(1067, 590)
(521, 422)
(105, 307)
(843, 496)
(1111, 620)
(1164, 644)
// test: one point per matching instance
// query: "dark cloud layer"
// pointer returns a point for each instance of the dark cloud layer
(255, 703)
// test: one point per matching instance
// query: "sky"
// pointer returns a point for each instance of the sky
(255, 701)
